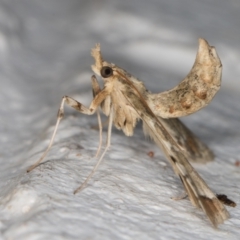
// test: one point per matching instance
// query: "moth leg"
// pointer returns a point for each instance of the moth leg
(95, 90)
(101, 158)
(77, 106)
(96, 127)
(180, 197)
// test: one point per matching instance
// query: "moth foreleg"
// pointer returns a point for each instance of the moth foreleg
(95, 86)
(180, 197)
(77, 106)
(95, 90)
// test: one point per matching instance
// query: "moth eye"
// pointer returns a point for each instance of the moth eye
(106, 72)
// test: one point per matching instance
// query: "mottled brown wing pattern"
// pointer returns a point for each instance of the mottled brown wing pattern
(195, 91)
(193, 149)
(198, 191)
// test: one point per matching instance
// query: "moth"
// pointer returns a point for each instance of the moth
(125, 100)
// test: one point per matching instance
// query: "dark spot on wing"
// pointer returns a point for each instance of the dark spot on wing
(186, 103)
(173, 159)
(201, 94)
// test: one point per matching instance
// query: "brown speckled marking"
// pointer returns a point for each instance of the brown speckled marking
(201, 94)
(171, 109)
(206, 77)
(60, 114)
(186, 103)
(192, 144)
(173, 159)
(79, 105)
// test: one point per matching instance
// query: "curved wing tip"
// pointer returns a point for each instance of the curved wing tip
(203, 43)
(205, 51)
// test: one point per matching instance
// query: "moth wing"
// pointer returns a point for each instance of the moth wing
(195, 91)
(198, 191)
(193, 149)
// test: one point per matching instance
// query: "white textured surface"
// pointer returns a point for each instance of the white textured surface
(45, 54)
